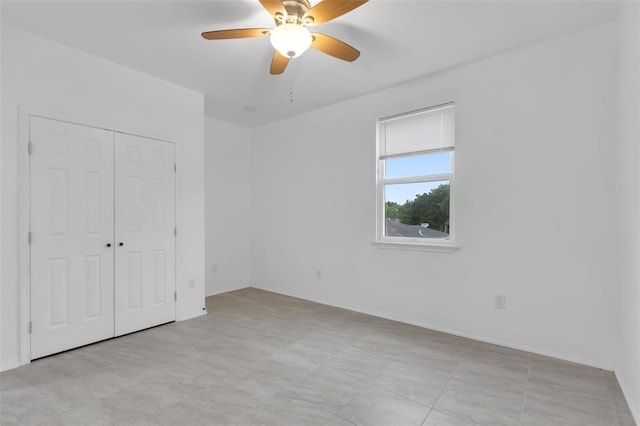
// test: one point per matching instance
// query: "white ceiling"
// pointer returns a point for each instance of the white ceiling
(399, 40)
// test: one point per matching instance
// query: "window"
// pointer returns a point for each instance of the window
(415, 179)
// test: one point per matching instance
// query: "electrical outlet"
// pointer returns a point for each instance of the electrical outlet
(319, 274)
(214, 268)
(500, 301)
(192, 284)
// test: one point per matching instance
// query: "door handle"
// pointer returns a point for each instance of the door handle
(108, 244)
(120, 244)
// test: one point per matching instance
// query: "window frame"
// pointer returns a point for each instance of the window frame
(384, 241)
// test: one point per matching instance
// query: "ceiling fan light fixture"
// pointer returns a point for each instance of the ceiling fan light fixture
(291, 40)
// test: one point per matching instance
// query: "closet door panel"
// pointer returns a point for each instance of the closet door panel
(145, 239)
(72, 253)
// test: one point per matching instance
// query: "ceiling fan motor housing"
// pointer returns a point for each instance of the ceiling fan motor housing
(295, 11)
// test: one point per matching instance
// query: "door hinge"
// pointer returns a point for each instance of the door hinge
(175, 167)
(30, 327)
(175, 232)
(29, 237)
(175, 296)
(29, 148)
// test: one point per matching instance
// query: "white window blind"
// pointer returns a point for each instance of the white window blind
(418, 132)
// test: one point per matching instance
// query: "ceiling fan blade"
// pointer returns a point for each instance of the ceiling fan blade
(327, 10)
(278, 63)
(274, 7)
(334, 47)
(237, 33)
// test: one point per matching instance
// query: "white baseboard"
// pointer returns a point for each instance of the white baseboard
(199, 314)
(10, 365)
(602, 363)
(633, 405)
(227, 289)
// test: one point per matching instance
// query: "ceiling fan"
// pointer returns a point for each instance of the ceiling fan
(290, 37)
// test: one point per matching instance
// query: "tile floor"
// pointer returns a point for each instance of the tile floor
(260, 358)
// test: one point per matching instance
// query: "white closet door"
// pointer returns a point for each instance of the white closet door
(145, 240)
(72, 228)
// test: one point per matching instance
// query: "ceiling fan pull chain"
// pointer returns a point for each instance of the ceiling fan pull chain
(291, 75)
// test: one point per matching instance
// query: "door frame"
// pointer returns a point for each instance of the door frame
(24, 215)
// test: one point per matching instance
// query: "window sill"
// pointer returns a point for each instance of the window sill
(431, 247)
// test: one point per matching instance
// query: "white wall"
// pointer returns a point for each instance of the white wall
(628, 368)
(45, 76)
(228, 204)
(1, 202)
(534, 206)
